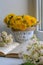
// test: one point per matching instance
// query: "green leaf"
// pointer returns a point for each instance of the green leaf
(27, 63)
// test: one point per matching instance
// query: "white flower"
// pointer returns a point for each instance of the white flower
(35, 56)
(41, 52)
(7, 38)
(4, 34)
(41, 60)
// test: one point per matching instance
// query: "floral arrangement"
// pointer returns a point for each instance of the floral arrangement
(34, 52)
(5, 39)
(20, 22)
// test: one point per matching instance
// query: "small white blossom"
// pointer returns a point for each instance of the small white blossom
(5, 38)
(4, 33)
(41, 51)
(35, 56)
(41, 60)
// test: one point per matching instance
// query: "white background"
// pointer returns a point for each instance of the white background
(17, 7)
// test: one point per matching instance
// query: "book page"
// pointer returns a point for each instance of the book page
(19, 48)
(16, 53)
(8, 48)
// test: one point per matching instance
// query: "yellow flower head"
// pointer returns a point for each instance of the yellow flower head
(8, 19)
(20, 22)
(29, 20)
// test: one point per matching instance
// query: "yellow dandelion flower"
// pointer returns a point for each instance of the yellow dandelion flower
(23, 27)
(27, 17)
(11, 14)
(34, 21)
(18, 17)
(20, 22)
(6, 20)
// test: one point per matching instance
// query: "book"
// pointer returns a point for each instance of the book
(16, 48)
(7, 50)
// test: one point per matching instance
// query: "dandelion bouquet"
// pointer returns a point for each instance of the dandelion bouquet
(20, 22)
